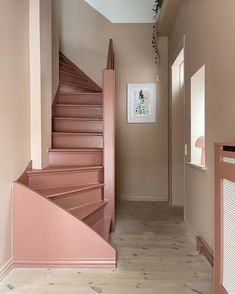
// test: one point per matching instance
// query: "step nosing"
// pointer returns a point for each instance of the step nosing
(85, 93)
(72, 191)
(64, 169)
(97, 134)
(75, 74)
(78, 105)
(101, 204)
(77, 86)
(77, 118)
(76, 150)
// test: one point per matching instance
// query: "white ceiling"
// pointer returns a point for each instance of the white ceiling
(125, 11)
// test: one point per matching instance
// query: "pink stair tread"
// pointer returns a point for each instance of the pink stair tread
(78, 134)
(78, 118)
(83, 212)
(62, 169)
(57, 192)
(77, 150)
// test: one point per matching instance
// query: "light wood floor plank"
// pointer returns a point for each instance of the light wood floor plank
(155, 256)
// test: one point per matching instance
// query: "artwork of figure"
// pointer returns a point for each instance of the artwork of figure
(142, 102)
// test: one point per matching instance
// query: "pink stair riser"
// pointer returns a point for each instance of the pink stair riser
(65, 68)
(94, 213)
(81, 99)
(81, 198)
(81, 111)
(65, 178)
(68, 69)
(76, 125)
(74, 157)
(77, 140)
(74, 80)
(65, 89)
(103, 228)
(95, 217)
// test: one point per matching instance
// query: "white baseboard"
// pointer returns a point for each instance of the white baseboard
(191, 232)
(6, 268)
(143, 198)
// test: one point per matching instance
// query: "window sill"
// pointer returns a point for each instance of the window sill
(198, 166)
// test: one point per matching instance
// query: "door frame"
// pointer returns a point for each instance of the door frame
(180, 47)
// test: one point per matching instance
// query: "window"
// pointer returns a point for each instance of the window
(198, 118)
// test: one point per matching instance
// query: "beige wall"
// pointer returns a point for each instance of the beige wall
(209, 29)
(14, 109)
(84, 36)
(141, 150)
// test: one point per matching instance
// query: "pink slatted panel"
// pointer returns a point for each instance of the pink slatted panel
(224, 180)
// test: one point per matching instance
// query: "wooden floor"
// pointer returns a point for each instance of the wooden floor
(155, 256)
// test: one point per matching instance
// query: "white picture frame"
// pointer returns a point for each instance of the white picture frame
(141, 103)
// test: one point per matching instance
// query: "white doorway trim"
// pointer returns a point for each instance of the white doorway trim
(177, 64)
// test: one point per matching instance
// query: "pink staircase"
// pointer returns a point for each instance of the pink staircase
(64, 213)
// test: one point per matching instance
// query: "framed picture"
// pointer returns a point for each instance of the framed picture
(141, 103)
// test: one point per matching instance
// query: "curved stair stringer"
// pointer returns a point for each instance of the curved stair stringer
(46, 235)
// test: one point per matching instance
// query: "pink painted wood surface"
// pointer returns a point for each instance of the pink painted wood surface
(79, 74)
(44, 235)
(77, 140)
(66, 69)
(95, 217)
(75, 157)
(82, 111)
(87, 209)
(23, 179)
(103, 228)
(222, 171)
(72, 87)
(68, 201)
(109, 143)
(77, 125)
(65, 177)
(82, 99)
(73, 79)
(60, 192)
(55, 225)
(68, 89)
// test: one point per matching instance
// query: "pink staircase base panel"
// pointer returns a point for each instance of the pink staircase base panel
(45, 235)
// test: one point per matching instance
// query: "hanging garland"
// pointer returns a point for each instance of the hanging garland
(156, 9)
